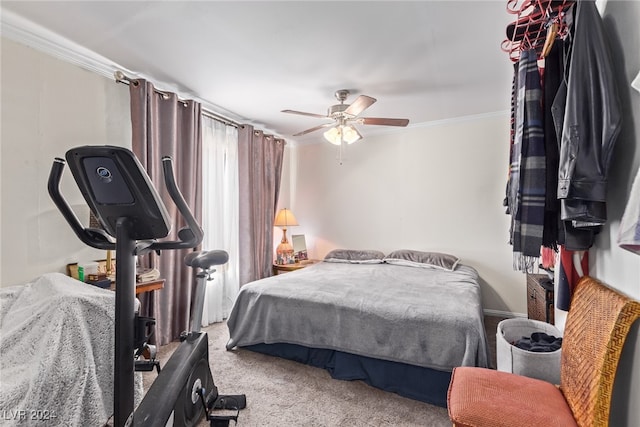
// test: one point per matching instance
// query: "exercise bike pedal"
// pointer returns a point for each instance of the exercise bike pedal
(147, 365)
(230, 401)
(222, 420)
(233, 402)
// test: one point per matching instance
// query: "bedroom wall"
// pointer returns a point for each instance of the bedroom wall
(48, 106)
(438, 187)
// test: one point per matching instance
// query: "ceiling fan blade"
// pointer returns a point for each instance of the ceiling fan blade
(383, 121)
(304, 114)
(359, 105)
(313, 129)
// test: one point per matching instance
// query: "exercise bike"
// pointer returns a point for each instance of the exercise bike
(125, 202)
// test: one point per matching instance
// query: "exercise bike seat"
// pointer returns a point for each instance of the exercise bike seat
(206, 259)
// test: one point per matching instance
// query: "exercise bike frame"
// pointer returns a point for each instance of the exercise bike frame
(156, 406)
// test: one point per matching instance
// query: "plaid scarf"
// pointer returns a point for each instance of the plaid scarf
(527, 181)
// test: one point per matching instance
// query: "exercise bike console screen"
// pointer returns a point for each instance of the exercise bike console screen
(115, 185)
(106, 181)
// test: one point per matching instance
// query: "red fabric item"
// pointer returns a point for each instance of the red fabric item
(573, 265)
(548, 258)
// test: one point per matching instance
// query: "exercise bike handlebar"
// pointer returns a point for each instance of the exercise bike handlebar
(93, 237)
(189, 236)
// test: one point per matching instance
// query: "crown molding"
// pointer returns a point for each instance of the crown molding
(21, 30)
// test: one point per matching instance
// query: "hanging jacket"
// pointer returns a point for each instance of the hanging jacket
(591, 124)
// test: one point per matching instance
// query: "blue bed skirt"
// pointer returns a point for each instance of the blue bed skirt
(415, 382)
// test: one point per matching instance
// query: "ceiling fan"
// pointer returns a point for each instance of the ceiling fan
(344, 116)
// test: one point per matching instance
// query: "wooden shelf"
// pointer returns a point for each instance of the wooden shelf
(142, 287)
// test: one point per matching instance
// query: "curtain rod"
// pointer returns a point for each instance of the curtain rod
(120, 77)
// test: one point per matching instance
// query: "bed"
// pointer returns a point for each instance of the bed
(399, 322)
(56, 353)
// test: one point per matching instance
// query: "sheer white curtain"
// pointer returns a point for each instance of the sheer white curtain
(220, 214)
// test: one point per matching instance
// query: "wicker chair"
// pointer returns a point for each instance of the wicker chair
(595, 332)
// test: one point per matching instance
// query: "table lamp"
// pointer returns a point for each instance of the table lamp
(284, 251)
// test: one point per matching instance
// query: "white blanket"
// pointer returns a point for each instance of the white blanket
(56, 353)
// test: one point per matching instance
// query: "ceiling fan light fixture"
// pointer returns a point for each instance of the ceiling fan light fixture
(350, 134)
(340, 133)
(333, 135)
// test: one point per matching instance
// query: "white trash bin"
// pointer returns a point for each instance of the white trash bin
(509, 358)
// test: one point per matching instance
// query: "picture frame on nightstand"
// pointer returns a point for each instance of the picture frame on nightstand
(299, 247)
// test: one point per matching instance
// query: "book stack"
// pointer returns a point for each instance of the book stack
(99, 279)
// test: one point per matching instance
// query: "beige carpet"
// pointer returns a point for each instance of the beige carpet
(285, 393)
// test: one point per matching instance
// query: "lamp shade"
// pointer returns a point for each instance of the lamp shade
(285, 218)
(346, 133)
(333, 135)
(350, 134)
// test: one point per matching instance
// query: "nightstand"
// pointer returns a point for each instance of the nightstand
(540, 298)
(284, 268)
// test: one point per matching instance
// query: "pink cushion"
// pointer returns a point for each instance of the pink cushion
(485, 397)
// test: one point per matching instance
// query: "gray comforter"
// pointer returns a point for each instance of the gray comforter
(424, 317)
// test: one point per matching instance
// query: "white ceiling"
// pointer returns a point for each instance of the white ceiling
(423, 60)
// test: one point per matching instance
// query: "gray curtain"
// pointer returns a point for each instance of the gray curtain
(163, 125)
(260, 168)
